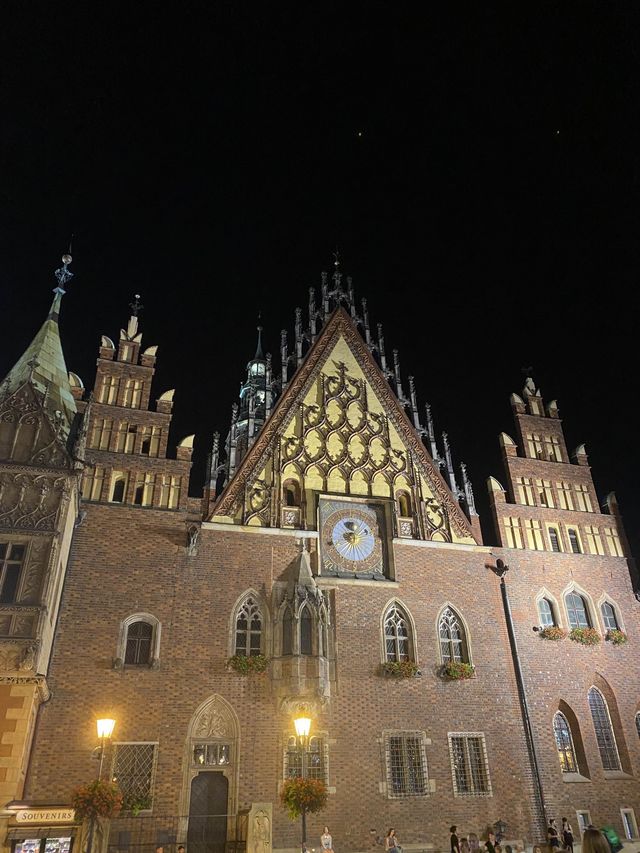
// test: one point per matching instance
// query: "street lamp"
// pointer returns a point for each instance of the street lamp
(302, 725)
(500, 828)
(105, 728)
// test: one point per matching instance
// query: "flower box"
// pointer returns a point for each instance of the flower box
(457, 671)
(552, 632)
(400, 668)
(244, 665)
(585, 636)
(617, 637)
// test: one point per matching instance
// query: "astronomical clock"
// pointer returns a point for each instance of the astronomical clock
(353, 538)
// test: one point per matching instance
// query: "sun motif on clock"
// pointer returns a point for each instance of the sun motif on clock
(351, 538)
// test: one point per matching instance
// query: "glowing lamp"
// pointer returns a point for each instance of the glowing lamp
(105, 728)
(303, 726)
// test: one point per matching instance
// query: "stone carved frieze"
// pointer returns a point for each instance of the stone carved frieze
(30, 501)
(213, 722)
(244, 490)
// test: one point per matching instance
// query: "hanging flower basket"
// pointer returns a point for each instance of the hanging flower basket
(400, 668)
(552, 632)
(303, 796)
(617, 637)
(244, 665)
(456, 670)
(585, 636)
(95, 800)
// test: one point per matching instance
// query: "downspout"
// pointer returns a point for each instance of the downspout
(501, 569)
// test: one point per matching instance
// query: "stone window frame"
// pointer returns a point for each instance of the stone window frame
(413, 646)
(466, 640)
(466, 736)
(591, 610)
(556, 610)
(419, 735)
(265, 634)
(605, 598)
(571, 749)
(323, 735)
(630, 813)
(152, 780)
(557, 528)
(574, 528)
(611, 729)
(121, 649)
(10, 543)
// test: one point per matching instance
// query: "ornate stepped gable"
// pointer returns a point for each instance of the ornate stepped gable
(339, 428)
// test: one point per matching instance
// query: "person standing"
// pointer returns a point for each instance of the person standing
(553, 838)
(593, 841)
(490, 843)
(455, 841)
(391, 842)
(326, 840)
(567, 835)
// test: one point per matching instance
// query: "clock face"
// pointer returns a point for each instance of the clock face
(351, 538)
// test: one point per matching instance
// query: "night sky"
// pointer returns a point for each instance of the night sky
(477, 168)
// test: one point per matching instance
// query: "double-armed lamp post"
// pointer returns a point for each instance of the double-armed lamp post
(302, 724)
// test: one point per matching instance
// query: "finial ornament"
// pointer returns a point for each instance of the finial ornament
(136, 306)
(63, 274)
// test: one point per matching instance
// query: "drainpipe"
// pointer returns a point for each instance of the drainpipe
(501, 569)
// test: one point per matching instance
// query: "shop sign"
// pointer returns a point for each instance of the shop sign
(44, 815)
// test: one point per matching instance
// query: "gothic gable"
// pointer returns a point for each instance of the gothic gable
(339, 429)
(29, 434)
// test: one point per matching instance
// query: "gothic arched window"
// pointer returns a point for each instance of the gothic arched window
(291, 493)
(564, 743)
(609, 617)
(604, 730)
(248, 629)
(396, 635)
(287, 633)
(554, 539)
(577, 610)
(306, 625)
(453, 646)
(404, 504)
(139, 644)
(545, 609)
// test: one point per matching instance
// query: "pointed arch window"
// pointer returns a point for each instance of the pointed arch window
(604, 730)
(577, 610)
(306, 632)
(554, 539)
(453, 646)
(396, 635)
(248, 628)
(564, 744)
(609, 616)
(287, 633)
(291, 493)
(574, 541)
(547, 617)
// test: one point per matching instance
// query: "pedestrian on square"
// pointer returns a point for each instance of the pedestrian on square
(594, 841)
(454, 840)
(326, 840)
(464, 845)
(391, 842)
(553, 838)
(490, 843)
(567, 835)
(474, 843)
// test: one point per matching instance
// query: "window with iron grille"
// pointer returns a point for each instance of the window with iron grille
(609, 616)
(574, 541)
(469, 765)
(11, 560)
(577, 611)
(315, 759)
(133, 770)
(139, 642)
(452, 638)
(248, 628)
(604, 730)
(554, 539)
(564, 743)
(396, 634)
(406, 762)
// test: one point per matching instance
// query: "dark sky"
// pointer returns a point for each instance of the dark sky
(478, 169)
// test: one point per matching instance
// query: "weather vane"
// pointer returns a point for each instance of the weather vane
(63, 274)
(136, 305)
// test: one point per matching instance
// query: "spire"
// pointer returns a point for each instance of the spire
(259, 356)
(42, 364)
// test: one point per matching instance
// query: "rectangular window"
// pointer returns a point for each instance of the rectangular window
(101, 436)
(594, 540)
(150, 441)
(132, 393)
(525, 491)
(534, 444)
(92, 483)
(406, 762)
(574, 540)
(211, 754)
(554, 538)
(130, 439)
(629, 823)
(565, 497)
(143, 493)
(469, 765)
(545, 495)
(583, 498)
(123, 429)
(133, 770)
(316, 762)
(109, 390)
(584, 821)
(552, 446)
(613, 542)
(513, 532)
(11, 560)
(533, 530)
(169, 491)
(119, 483)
